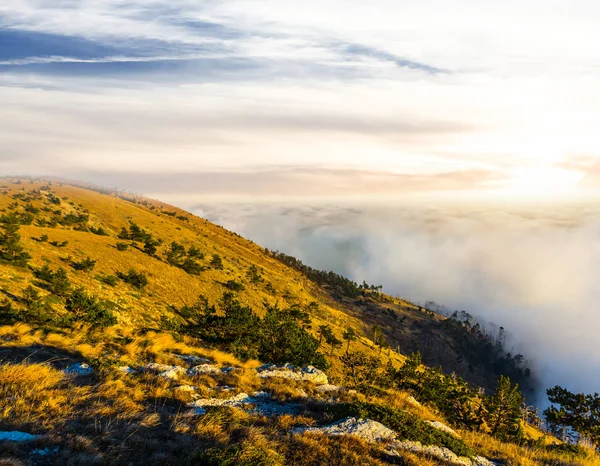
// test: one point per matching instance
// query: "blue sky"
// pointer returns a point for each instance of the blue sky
(278, 99)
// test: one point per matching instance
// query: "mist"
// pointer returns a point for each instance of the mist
(533, 270)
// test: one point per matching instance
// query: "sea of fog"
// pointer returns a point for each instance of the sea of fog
(534, 270)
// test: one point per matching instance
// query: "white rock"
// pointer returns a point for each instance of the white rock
(443, 427)
(171, 374)
(160, 368)
(191, 359)
(328, 388)
(186, 388)
(126, 369)
(16, 436)
(236, 400)
(481, 461)
(301, 393)
(287, 371)
(440, 453)
(203, 369)
(367, 429)
(258, 403)
(225, 388)
(79, 369)
(412, 401)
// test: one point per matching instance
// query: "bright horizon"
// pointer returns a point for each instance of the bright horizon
(272, 100)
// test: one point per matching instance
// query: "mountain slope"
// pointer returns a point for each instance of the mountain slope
(105, 285)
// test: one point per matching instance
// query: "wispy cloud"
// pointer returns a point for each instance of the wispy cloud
(406, 88)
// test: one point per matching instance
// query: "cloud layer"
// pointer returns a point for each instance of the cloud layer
(531, 270)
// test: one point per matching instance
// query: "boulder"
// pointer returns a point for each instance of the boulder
(440, 453)
(287, 371)
(193, 360)
(328, 388)
(16, 436)
(367, 429)
(186, 388)
(412, 401)
(161, 368)
(204, 369)
(443, 427)
(79, 369)
(126, 370)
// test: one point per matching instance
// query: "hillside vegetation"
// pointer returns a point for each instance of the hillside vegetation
(132, 331)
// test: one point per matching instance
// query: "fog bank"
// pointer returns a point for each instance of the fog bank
(532, 270)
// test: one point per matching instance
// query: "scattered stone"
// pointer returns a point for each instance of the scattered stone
(79, 369)
(287, 371)
(234, 401)
(440, 453)
(328, 388)
(443, 427)
(126, 370)
(44, 451)
(412, 401)
(171, 374)
(481, 461)
(192, 360)
(258, 403)
(225, 388)
(204, 369)
(16, 436)
(161, 368)
(301, 393)
(367, 429)
(186, 388)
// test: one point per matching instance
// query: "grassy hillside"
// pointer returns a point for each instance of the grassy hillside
(115, 280)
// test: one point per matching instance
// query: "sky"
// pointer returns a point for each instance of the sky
(279, 99)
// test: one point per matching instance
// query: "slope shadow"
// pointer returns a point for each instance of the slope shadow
(56, 357)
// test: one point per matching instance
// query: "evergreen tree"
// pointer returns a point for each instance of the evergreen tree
(11, 249)
(578, 413)
(504, 410)
(349, 336)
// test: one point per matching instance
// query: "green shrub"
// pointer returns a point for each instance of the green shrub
(134, 278)
(88, 308)
(216, 262)
(98, 231)
(122, 246)
(56, 282)
(85, 265)
(109, 280)
(234, 285)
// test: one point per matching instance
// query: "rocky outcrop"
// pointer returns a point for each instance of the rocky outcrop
(204, 369)
(367, 429)
(440, 453)
(443, 427)
(192, 360)
(257, 403)
(287, 371)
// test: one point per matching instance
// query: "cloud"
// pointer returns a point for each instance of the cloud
(413, 88)
(533, 270)
(286, 182)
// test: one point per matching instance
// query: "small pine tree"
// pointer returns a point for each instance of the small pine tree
(11, 249)
(349, 336)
